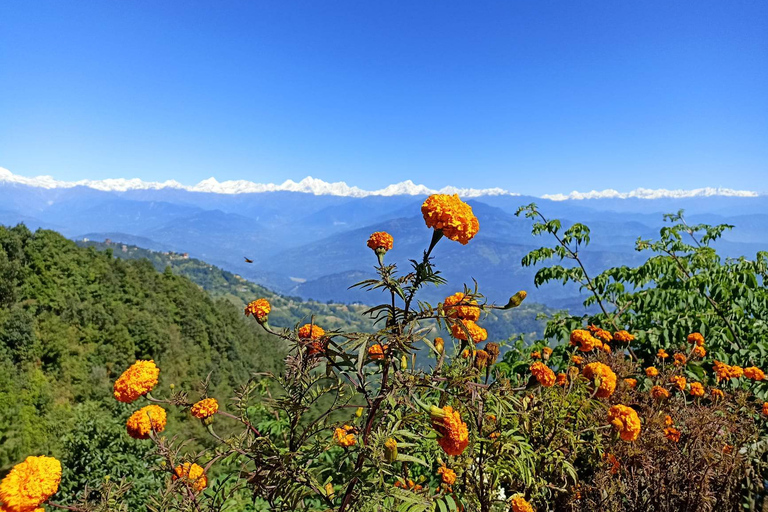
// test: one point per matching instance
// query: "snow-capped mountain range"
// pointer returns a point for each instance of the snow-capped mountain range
(319, 187)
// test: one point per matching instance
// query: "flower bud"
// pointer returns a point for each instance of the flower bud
(516, 299)
(359, 412)
(439, 345)
(390, 450)
(404, 362)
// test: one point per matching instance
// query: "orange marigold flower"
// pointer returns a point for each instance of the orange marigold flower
(454, 435)
(205, 408)
(259, 309)
(606, 348)
(623, 337)
(725, 372)
(754, 373)
(601, 334)
(584, 340)
(603, 377)
(381, 240)
(678, 381)
(30, 483)
(765, 408)
(668, 420)
(452, 216)
(626, 421)
(145, 420)
(562, 379)
(696, 338)
(577, 359)
(632, 383)
(728, 448)
(136, 381)
(651, 371)
(680, 360)
(376, 352)
(459, 305)
(716, 393)
(546, 352)
(192, 474)
(477, 333)
(465, 353)
(519, 504)
(481, 359)
(696, 389)
(698, 351)
(544, 375)
(447, 475)
(311, 332)
(672, 434)
(659, 393)
(535, 354)
(662, 354)
(344, 436)
(613, 461)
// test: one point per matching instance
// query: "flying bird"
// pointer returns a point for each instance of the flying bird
(247, 260)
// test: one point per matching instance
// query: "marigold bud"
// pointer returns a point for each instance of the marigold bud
(390, 450)
(439, 345)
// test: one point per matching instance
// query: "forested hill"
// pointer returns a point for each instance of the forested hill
(72, 319)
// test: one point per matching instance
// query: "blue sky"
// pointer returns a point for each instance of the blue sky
(533, 96)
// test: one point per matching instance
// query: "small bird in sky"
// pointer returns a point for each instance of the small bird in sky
(247, 260)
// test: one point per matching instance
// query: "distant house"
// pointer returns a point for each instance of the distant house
(125, 248)
(108, 241)
(185, 256)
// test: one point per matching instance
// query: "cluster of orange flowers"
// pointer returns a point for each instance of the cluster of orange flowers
(461, 329)
(191, 474)
(454, 435)
(205, 408)
(344, 436)
(312, 333)
(148, 419)
(544, 375)
(448, 476)
(452, 216)
(136, 381)
(603, 378)
(381, 241)
(30, 484)
(376, 352)
(726, 372)
(519, 504)
(459, 306)
(259, 309)
(626, 421)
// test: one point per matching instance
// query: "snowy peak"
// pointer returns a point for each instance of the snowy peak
(647, 193)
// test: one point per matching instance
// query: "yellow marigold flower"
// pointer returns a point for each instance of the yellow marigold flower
(477, 333)
(447, 475)
(493, 352)
(662, 354)
(584, 340)
(606, 348)
(678, 381)
(546, 352)
(603, 377)
(601, 334)
(344, 436)
(452, 216)
(136, 381)
(439, 345)
(459, 305)
(519, 504)
(659, 393)
(672, 434)
(258, 309)
(562, 379)
(716, 393)
(696, 338)
(30, 483)
(680, 360)
(454, 435)
(481, 359)
(698, 351)
(651, 371)
(577, 359)
(544, 375)
(376, 352)
(696, 389)
(205, 408)
(145, 420)
(668, 420)
(632, 383)
(381, 240)
(623, 337)
(192, 474)
(754, 373)
(765, 408)
(625, 420)
(535, 354)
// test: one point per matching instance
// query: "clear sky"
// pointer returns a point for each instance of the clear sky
(532, 96)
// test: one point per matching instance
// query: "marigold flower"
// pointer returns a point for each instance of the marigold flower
(544, 375)
(477, 333)
(535, 354)
(205, 408)
(662, 354)
(668, 420)
(632, 383)
(623, 337)
(603, 377)
(606, 348)
(448, 476)
(562, 379)
(481, 359)
(344, 436)
(659, 393)
(145, 420)
(452, 216)
(30, 483)
(192, 474)
(519, 504)
(680, 360)
(728, 448)
(311, 332)
(651, 371)
(696, 338)
(754, 373)
(259, 309)
(765, 408)
(716, 393)
(601, 334)
(678, 381)
(672, 434)
(577, 359)
(584, 340)
(626, 421)
(725, 372)
(136, 381)
(613, 461)
(459, 305)
(698, 351)
(465, 353)
(696, 389)
(546, 352)
(381, 240)
(454, 435)
(376, 352)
